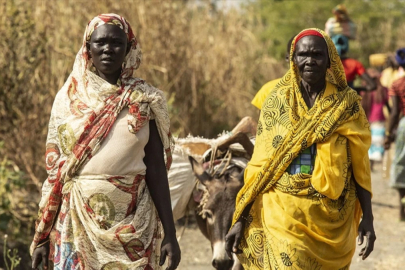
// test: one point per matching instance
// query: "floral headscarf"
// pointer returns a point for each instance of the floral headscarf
(133, 58)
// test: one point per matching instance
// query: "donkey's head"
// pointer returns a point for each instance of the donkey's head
(215, 211)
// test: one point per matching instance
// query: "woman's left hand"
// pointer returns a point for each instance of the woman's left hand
(366, 229)
(170, 248)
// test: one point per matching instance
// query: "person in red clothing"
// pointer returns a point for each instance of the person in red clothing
(373, 104)
(397, 96)
(352, 67)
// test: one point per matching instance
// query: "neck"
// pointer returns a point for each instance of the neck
(111, 78)
(313, 88)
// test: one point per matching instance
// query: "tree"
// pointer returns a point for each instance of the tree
(379, 23)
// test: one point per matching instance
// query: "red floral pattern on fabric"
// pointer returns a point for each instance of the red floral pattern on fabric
(133, 189)
(140, 111)
(84, 112)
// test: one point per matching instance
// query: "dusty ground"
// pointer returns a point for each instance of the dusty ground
(389, 251)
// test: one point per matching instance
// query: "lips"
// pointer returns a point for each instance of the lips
(107, 60)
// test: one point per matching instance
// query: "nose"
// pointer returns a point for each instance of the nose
(224, 264)
(220, 260)
(107, 48)
(311, 61)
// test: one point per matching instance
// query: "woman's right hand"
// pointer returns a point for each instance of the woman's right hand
(233, 238)
(40, 255)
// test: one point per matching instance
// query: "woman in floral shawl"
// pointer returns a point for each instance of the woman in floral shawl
(108, 148)
(309, 178)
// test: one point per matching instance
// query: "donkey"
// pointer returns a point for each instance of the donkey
(219, 188)
(214, 197)
(215, 211)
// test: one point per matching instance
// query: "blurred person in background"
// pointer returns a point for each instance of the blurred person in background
(373, 103)
(340, 23)
(352, 67)
(108, 150)
(391, 72)
(310, 162)
(397, 121)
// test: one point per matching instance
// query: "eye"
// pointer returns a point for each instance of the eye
(206, 213)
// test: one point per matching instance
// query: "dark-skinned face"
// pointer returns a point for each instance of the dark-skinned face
(312, 59)
(108, 48)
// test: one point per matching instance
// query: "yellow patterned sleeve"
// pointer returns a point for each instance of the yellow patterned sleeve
(261, 95)
(359, 137)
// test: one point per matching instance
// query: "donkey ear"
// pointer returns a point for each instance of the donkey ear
(199, 171)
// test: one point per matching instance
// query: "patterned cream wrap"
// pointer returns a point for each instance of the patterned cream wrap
(100, 221)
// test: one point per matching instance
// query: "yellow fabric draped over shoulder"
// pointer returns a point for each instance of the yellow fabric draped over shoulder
(261, 95)
(306, 221)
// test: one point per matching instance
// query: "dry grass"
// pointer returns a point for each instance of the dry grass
(208, 63)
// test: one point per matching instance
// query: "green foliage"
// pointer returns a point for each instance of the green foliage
(11, 258)
(379, 23)
(11, 180)
(281, 20)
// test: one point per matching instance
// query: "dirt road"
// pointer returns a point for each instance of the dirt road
(388, 254)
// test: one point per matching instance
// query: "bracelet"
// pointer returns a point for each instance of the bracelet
(43, 243)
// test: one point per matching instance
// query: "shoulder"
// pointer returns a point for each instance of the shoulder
(397, 87)
(398, 82)
(266, 89)
(348, 94)
(331, 20)
(358, 63)
(263, 92)
(143, 91)
(354, 62)
(350, 60)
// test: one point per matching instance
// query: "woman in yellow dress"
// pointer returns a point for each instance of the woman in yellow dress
(308, 182)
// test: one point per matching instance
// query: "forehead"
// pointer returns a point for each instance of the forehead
(311, 43)
(108, 30)
(222, 191)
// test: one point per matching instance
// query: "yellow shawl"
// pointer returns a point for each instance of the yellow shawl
(306, 221)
